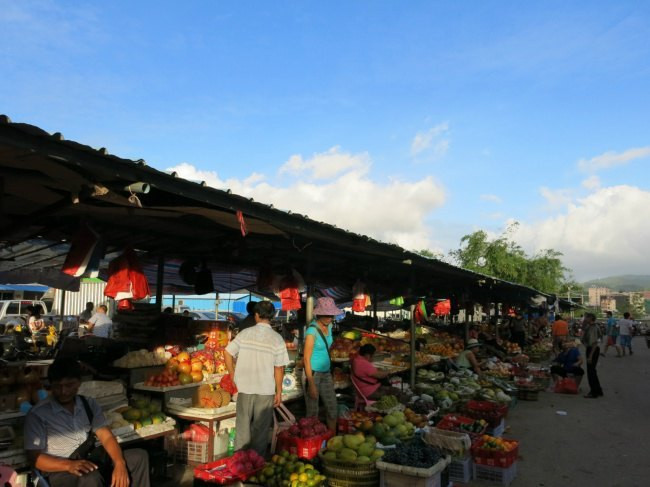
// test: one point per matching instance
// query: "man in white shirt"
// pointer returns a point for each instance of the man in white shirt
(261, 358)
(100, 324)
(625, 332)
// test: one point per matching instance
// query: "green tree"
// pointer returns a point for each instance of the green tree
(429, 254)
(503, 258)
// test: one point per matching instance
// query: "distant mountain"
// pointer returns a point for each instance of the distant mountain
(621, 283)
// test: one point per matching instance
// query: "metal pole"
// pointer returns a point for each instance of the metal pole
(309, 307)
(412, 382)
(159, 282)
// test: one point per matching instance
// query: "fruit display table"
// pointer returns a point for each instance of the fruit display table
(182, 391)
(213, 417)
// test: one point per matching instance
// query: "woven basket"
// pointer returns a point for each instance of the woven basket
(334, 482)
(349, 474)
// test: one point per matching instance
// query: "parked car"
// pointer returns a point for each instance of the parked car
(211, 316)
(202, 315)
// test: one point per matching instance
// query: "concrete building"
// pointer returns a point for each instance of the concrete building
(607, 304)
(596, 293)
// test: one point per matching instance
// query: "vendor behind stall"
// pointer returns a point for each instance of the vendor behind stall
(60, 435)
(518, 327)
(466, 359)
(100, 324)
(367, 378)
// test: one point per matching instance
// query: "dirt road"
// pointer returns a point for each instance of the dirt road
(601, 442)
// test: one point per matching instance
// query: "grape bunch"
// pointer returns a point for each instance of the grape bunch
(386, 403)
(414, 453)
(422, 407)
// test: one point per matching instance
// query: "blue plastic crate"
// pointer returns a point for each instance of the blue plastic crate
(503, 476)
(460, 470)
(498, 431)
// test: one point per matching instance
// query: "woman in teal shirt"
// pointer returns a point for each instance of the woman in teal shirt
(317, 378)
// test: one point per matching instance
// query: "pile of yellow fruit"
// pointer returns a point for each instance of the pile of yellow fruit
(286, 470)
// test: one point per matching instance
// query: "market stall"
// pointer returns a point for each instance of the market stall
(70, 210)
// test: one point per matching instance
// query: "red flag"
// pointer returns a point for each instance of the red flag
(242, 223)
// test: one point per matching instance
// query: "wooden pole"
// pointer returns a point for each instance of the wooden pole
(160, 282)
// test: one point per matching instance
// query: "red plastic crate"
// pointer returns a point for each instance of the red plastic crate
(491, 412)
(494, 458)
(306, 449)
(453, 422)
(215, 472)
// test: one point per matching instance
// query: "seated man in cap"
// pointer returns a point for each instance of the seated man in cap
(60, 436)
(569, 361)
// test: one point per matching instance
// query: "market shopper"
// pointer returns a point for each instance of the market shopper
(590, 339)
(625, 326)
(261, 356)
(569, 361)
(317, 378)
(100, 324)
(60, 434)
(467, 359)
(367, 378)
(250, 318)
(559, 333)
(36, 323)
(611, 330)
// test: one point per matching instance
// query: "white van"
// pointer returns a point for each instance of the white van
(17, 308)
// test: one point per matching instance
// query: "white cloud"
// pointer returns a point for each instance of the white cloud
(591, 183)
(491, 197)
(326, 165)
(602, 234)
(556, 198)
(431, 140)
(611, 159)
(391, 211)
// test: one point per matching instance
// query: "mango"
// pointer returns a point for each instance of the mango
(353, 441)
(335, 443)
(347, 455)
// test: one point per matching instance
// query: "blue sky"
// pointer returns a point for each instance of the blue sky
(432, 119)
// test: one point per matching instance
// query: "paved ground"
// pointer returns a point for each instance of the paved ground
(600, 442)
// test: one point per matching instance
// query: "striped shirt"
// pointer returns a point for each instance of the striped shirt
(258, 350)
(54, 430)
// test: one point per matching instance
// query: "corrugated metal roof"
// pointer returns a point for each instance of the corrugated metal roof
(30, 154)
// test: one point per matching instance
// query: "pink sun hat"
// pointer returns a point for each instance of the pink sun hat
(326, 307)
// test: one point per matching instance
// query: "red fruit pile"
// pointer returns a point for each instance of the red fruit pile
(306, 429)
(245, 462)
(166, 378)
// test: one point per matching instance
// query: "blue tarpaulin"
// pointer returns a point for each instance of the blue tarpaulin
(34, 288)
